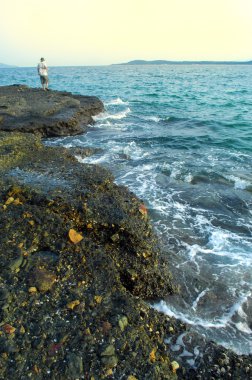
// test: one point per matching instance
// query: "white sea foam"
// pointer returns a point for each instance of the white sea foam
(195, 303)
(189, 178)
(195, 320)
(104, 124)
(134, 151)
(239, 183)
(156, 119)
(117, 101)
(117, 116)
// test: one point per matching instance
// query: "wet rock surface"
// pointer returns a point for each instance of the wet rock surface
(48, 113)
(78, 264)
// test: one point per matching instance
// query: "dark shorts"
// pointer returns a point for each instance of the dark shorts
(43, 79)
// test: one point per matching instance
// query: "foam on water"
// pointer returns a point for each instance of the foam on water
(156, 119)
(215, 323)
(117, 101)
(113, 116)
(239, 183)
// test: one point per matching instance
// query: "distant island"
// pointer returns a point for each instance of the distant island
(4, 66)
(164, 62)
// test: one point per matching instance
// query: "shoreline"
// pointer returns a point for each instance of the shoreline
(88, 315)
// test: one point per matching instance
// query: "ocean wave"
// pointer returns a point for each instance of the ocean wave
(117, 101)
(115, 116)
(216, 323)
(239, 183)
(156, 119)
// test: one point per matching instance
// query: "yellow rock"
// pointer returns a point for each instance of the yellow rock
(174, 366)
(22, 330)
(17, 202)
(109, 372)
(9, 201)
(87, 331)
(8, 329)
(143, 209)
(32, 289)
(153, 355)
(131, 377)
(74, 236)
(73, 304)
(98, 299)
(123, 322)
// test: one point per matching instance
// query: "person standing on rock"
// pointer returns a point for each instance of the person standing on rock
(43, 73)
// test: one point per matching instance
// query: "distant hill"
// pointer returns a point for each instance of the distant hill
(3, 65)
(164, 62)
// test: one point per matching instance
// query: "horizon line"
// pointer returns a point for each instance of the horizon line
(142, 61)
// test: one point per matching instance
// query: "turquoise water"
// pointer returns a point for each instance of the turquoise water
(180, 137)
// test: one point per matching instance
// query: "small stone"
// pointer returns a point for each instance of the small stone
(152, 355)
(32, 289)
(17, 202)
(43, 279)
(123, 322)
(9, 329)
(174, 366)
(71, 305)
(131, 377)
(15, 264)
(9, 201)
(109, 351)
(75, 366)
(36, 369)
(22, 330)
(106, 327)
(109, 372)
(74, 236)
(110, 361)
(87, 331)
(98, 299)
(143, 209)
(171, 329)
(115, 238)
(146, 255)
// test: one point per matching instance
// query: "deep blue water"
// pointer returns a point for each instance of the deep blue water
(180, 137)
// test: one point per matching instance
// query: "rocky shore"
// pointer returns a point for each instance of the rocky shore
(79, 261)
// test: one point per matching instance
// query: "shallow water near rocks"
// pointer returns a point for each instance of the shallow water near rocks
(180, 137)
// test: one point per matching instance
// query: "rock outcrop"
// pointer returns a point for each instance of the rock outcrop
(47, 113)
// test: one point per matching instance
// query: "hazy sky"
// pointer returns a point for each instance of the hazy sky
(97, 32)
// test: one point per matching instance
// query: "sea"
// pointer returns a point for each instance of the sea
(180, 137)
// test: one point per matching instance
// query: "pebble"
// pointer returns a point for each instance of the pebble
(43, 279)
(110, 361)
(109, 351)
(123, 322)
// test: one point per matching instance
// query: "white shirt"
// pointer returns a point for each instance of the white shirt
(42, 68)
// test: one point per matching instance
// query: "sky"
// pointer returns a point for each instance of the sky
(101, 32)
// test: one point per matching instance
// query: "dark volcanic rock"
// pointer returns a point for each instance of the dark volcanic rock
(47, 113)
(67, 302)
